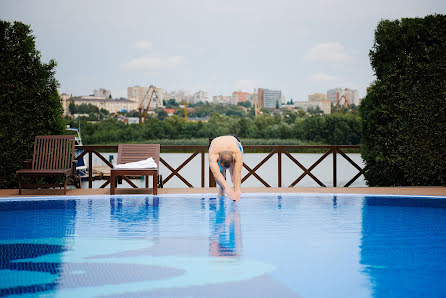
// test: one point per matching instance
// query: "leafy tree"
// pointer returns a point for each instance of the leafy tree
(404, 112)
(162, 114)
(246, 104)
(315, 110)
(72, 108)
(87, 109)
(233, 112)
(29, 102)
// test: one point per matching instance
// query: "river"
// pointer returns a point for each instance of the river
(268, 171)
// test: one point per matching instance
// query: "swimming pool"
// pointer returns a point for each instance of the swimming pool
(266, 245)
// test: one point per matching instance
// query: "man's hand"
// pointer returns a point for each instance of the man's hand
(233, 194)
(237, 195)
(230, 192)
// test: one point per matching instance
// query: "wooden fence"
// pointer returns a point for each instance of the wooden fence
(280, 150)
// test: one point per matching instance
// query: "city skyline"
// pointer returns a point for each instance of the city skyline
(297, 47)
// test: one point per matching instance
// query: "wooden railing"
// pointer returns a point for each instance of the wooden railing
(252, 171)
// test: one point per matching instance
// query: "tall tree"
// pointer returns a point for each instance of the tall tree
(404, 112)
(29, 102)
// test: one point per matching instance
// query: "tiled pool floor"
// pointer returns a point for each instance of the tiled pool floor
(266, 245)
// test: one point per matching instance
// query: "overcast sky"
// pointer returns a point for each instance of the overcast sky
(299, 47)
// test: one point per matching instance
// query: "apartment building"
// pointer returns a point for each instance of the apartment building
(336, 94)
(111, 105)
(239, 96)
(268, 98)
(315, 97)
(324, 105)
(141, 96)
(221, 99)
(201, 95)
(102, 92)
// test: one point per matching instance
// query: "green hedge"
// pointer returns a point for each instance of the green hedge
(404, 113)
(29, 102)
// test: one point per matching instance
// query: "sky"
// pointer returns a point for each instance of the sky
(298, 47)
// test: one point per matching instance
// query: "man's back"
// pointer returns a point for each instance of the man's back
(223, 143)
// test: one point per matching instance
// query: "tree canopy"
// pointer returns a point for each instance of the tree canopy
(29, 102)
(329, 129)
(404, 112)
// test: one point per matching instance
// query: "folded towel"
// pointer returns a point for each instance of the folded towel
(148, 163)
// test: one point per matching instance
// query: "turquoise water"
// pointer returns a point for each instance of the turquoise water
(266, 245)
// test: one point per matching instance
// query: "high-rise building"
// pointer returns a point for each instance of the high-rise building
(239, 96)
(261, 97)
(201, 95)
(317, 97)
(65, 99)
(336, 94)
(102, 92)
(221, 99)
(140, 95)
(269, 98)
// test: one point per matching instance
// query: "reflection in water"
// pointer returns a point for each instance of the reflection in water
(225, 238)
(128, 212)
(403, 246)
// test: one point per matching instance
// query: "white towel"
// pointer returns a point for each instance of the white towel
(148, 163)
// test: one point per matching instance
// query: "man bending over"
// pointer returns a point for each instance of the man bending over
(225, 153)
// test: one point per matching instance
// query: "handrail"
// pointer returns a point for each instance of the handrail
(202, 150)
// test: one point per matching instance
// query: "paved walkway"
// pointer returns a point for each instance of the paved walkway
(430, 191)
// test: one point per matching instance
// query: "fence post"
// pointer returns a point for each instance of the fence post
(279, 160)
(90, 169)
(334, 166)
(202, 167)
(212, 182)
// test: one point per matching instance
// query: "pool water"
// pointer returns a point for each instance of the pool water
(266, 245)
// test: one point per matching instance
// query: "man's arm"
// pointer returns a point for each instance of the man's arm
(216, 171)
(238, 164)
(238, 171)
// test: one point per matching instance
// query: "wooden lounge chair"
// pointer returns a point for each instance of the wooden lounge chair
(132, 153)
(53, 156)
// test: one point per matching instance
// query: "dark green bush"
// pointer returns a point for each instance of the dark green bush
(404, 113)
(29, 102)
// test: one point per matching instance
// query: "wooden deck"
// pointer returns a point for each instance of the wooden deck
(428, 191)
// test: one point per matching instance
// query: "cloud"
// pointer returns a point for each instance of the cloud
(328, 52)
(144, 44)
(322, 81)
(246, 85)
(149, 62)
(322, 77)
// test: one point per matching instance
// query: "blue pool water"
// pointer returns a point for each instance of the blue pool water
(203, 246)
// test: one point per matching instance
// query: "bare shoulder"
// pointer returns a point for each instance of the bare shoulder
(213, 156)
(238, 156)
(222, 143)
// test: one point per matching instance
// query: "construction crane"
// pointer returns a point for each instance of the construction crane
(151, 92)
(338, 102)
(256, 103)
(185, 110)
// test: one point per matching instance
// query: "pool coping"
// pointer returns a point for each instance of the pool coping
(416, 190)
(214, 195)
